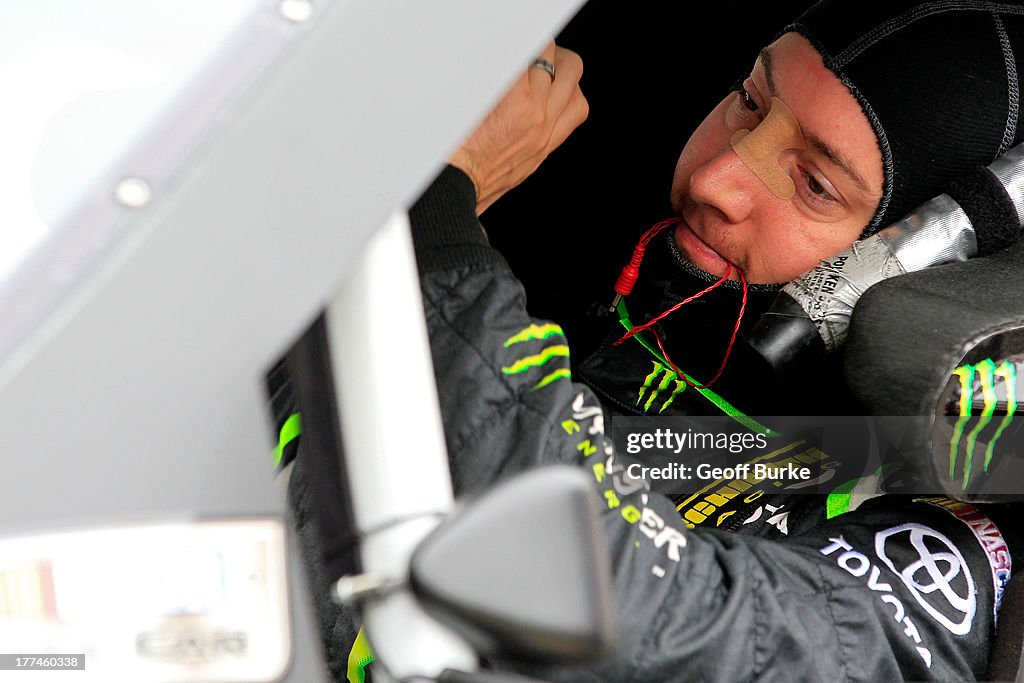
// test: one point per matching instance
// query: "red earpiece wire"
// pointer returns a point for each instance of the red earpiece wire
(628, 277)
(624, 287)
(653, 321)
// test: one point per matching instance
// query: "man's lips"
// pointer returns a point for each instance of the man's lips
(698, 251)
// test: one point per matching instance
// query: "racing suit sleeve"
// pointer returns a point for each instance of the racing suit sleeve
(894, 590)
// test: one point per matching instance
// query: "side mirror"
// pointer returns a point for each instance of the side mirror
(522, 571)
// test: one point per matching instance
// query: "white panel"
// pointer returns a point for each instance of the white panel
(140, 395)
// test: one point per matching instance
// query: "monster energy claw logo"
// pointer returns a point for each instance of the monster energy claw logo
(656, 384)
(539, 360)
(986, 372)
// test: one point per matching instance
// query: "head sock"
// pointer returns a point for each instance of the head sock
(938, 81)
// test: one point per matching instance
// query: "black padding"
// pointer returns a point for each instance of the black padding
(993, 215)
(908, 333)
(329, 498)
(786, 339)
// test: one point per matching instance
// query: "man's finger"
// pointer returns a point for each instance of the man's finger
(574, 113)
(540, 79)
(549, 51)
(569, 70)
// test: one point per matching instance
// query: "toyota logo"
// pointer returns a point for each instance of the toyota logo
(938, 577)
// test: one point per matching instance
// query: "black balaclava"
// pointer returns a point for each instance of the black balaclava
(939, 83)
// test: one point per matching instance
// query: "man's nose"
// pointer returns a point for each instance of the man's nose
(727, 184)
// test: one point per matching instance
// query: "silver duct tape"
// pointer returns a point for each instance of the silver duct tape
(830, 291)
(1009, 169)
(937, 232)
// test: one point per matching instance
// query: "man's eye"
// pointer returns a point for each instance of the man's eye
(817, 188)
(748, 101)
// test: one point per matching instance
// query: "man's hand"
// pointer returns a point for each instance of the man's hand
(533, 118)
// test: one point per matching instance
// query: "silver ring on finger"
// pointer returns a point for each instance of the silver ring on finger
(544, 65)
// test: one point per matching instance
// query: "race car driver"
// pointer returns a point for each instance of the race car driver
(863, 113)
(852, 117)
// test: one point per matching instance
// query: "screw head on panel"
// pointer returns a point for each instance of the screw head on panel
(133, 192)
(295, 11)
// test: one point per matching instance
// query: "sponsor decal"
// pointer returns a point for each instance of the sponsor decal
(192, 639)
(985, 372)
(774, 516)
(991, 540)
(581, 411)
(850, 495)
(542, 332)
(721, 499)
(858, 565)
(658, 383)
(587, 426)
(540, 359)
(938, 577)
(648, 522)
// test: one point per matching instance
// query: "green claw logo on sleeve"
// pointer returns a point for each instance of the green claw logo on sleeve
(986, 372)
(536, 360)
(535, 332)
(539, 360)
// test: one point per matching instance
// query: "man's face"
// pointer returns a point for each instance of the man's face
(730, 214)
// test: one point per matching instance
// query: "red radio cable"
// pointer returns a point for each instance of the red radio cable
(627, 280)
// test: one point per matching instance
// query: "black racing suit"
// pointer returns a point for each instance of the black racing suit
(896, 589)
